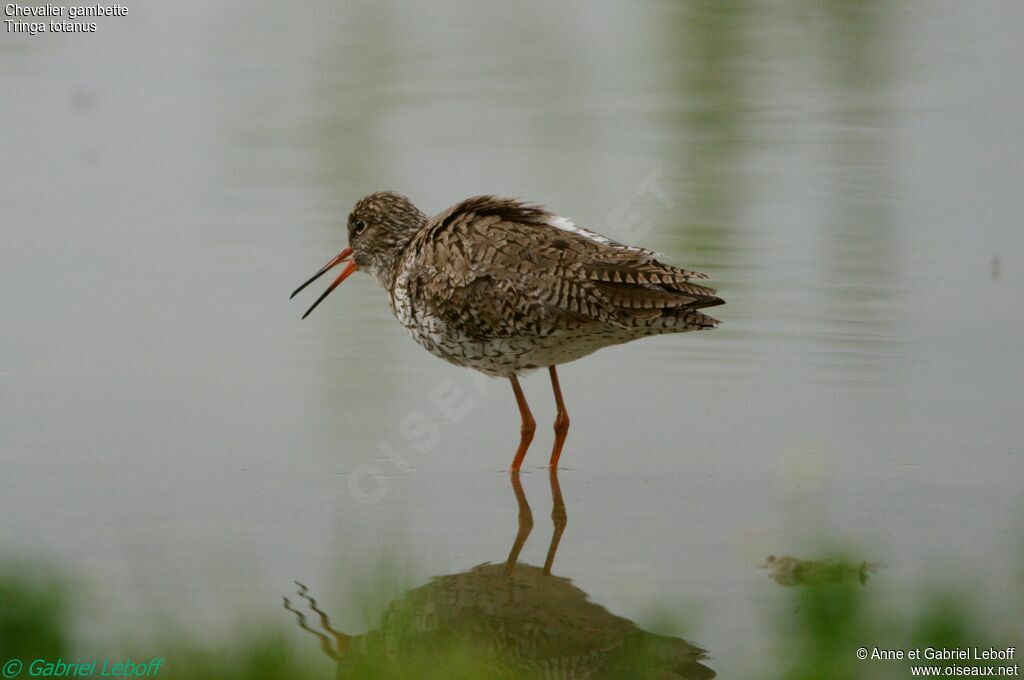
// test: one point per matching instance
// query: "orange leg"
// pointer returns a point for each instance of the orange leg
(528, 427)
(561, 421)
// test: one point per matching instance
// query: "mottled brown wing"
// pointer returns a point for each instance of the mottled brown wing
(499, 268)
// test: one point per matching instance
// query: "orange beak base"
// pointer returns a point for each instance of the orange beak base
(350, 267)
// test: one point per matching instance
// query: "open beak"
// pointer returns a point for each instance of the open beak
(343, 256)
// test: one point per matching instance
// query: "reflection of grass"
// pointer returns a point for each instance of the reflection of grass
(35, 623)
(260, 657)
(829, 624)
(33, 611)
(816, 633)
(826, 621)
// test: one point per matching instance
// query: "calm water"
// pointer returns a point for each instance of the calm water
(849, 173)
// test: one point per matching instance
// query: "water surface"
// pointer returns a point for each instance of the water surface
(849, 174)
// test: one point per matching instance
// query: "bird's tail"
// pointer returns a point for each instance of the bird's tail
(682, 320)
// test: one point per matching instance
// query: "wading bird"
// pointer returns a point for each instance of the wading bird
(503, 287)
(511, 620)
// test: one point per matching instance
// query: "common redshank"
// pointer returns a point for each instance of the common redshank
(504, 287)
(515, 619)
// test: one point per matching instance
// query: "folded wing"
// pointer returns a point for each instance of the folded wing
(502, 268)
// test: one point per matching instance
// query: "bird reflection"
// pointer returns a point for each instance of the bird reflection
(513, 620)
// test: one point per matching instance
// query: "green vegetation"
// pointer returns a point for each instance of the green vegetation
(263, 656)
(822, 615)
(34, 608)
(37, 617)
(828, 619)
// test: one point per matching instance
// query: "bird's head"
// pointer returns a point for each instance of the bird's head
(380, 226)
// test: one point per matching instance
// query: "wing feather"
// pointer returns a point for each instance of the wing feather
(501, 268)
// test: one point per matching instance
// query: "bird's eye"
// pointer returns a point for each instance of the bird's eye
(360, 226)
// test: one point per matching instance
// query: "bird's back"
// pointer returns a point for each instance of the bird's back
(496, 274)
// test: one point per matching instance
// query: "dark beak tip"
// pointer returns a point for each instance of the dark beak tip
(337, 259)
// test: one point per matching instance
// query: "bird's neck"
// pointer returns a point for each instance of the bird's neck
(388, 262)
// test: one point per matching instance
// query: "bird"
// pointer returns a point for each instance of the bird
(504, 287)
(512, 619)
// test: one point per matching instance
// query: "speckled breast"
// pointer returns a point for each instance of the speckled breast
(498, 357)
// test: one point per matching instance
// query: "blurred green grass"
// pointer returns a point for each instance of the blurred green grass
(34, 611)
(816, 626)
(37, 617)
(825, 621)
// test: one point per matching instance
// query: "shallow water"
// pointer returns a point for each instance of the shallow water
(849, 175)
